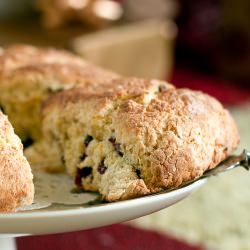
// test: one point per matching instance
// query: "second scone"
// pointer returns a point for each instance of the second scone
(140, 137)
(29, 75)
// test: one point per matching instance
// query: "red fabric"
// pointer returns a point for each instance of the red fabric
(122, 237)
(227, 92)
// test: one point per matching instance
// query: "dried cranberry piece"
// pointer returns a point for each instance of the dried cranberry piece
(138, 173)
(101, 167)
(78, 180)
(82, 173)
(27, 142)
(63, 159)
(87, 140)
(82, 157)
(116, 146)
(86, 171)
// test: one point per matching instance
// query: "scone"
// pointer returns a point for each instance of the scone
(16, 180)
(29, 75)
(141, 137)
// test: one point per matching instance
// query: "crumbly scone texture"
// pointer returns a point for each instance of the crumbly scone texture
(16, 179)
(142, 137)
(29, 75)
(53, 160)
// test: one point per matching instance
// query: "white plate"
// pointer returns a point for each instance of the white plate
(66, 218)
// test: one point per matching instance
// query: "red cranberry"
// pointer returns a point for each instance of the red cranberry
(82, 173)
(87, 140)
(138, 173)
(82, 157)
(102, 168)
(116, 146)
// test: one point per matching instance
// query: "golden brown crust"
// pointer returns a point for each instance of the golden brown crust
(19, 55)
(118, 88)
(27, 64)
(16, 186)
(183, 132)
(63, 73)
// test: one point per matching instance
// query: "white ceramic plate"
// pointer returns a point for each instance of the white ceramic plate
(66, 218)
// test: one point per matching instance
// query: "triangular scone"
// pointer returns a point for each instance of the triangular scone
(16, 179)
(141, 137)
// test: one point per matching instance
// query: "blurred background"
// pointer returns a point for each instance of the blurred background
(202, 45)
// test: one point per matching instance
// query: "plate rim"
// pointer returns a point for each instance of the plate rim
(95, 209)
